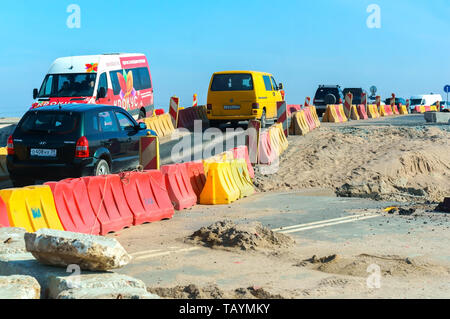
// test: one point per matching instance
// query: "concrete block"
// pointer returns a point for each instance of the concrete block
(437, 117)
(89, 252)
(19, 287)
(12, 240)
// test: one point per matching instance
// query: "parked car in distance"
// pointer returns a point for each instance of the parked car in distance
(235, 96)
(73, 140)
(444, 106)
(325, 95)
(424, 99)
(357, 94)
(398, 100)
(109, 79)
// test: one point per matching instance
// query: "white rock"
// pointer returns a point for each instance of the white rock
(19, 287)
(89, 252)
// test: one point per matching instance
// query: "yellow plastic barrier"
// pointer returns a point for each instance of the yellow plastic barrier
(315, 116)
(161, 124)
(299, 126)
(237, 172)
(403, 110)
(220, 187)
(372, 111)
(3, 169)
(354, 113)
(283, 139)
(433, 108)
(275, 140)
(31, 207)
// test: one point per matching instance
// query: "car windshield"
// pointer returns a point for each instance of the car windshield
(68, 85)
(232, 82)
(416, 101)
(61, 123)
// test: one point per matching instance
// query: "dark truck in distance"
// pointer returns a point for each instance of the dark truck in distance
(357, 94)
(327, 94)
(74, 140)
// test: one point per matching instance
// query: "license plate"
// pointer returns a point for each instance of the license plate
(231, 107)
(42, 152)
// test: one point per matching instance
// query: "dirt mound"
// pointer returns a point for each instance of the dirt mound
(380, 163)
(189, 292)
(251, 236)
(214, 292)
(357, 266)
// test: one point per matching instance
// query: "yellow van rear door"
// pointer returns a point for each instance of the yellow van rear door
(232, 94)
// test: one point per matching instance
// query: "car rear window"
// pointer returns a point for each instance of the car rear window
(232, 82)
(61, 123)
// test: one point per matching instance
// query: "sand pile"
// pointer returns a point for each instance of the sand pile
(250, 236)
(389, 266)
(381, 163)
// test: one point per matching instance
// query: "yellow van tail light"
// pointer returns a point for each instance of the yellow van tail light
(255, 106)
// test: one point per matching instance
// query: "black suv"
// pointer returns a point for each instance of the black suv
(357, 94)
(327, 94)
(74, 140)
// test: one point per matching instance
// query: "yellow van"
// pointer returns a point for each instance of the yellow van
(235, 96)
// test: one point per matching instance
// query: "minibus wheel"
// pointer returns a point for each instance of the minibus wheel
(263, 119)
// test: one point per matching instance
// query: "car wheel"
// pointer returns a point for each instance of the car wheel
(22, 181)
(102, 168)
(263, 119)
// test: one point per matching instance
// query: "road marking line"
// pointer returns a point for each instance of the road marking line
(167, 253)
(145, 252)
(329, 224)
(324, 221)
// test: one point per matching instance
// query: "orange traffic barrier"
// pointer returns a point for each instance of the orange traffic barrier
(362, 112)
(4, 221)
(197, 177)
(267, 155)
(242, 152)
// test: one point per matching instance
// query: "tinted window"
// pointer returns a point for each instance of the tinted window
(267, 83)
(103, 81)
(322, 92)
(232, 82)
(91, 123)
(68, 85)
(50, 122)
(124, 122)
(274, 84)
(107, 122)
(140, 78)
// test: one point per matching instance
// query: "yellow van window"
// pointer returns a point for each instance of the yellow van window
(232, 82)
(267, 83)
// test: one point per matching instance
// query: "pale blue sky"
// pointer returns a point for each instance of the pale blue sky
(303, 43)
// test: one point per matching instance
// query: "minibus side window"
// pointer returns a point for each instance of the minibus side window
(274, 84)
(267, 83)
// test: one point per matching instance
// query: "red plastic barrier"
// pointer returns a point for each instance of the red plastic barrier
(4, 220)
(196, 173)
(417, 108)
(309, 119)
(179, 186)
(266, 154)
(147, 196)
(291, 108)
(242, 152)
(186, 117)
(109, 203)
(362, 112)
(159, 112)
(388, 109)
(74, 210)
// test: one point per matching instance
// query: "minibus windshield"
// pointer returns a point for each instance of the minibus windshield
(68, 85)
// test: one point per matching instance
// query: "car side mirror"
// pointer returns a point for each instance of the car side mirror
(142, 126)
(35, 93)
(101, 94)
(280, 86)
